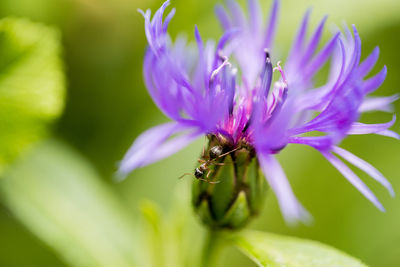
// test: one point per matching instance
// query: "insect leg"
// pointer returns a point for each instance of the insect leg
(203, 153)
(227, 153)
(208, 181)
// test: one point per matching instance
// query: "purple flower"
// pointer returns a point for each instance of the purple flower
(226, 89)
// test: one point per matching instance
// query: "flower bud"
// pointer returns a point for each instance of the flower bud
(232, 188)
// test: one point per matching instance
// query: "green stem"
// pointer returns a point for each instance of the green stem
(211, 249)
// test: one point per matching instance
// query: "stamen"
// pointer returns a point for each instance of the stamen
(266, 80)
(266, 77)
(247, 125)
(267, 56)
(279, 95)
(224, 63)
(279, 68)
(232, 90)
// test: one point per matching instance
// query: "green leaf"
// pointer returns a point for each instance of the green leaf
(31, 85)
(274, 250)
(55, 193)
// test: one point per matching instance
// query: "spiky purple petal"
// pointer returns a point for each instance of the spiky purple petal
(365, 166)
(353, 179)
(361, 128)
(291, 208)
(271, 28)
(206, 93)
(378, 103)
(155, 144)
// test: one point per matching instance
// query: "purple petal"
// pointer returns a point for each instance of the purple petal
(153, 145)
(157, 39)
(271, 136)
(389, 133)
(373, 83)
(342, 109)
(273, 17)
(222, 17)
(367, 65)
(357, 46)
(202, 64)
(320, 98)
(255, 15)
(353, 53)
(199, 41)
(364, 166)
(172, 146)
(361, 128)
(378, 103)
(353, 179)
(266, 76)
(161, 98)
(228, 35)
(317, 142)
(158, 19)
(168, 19)
(301, 35)
(145, 143)
(320, 59)
(313, 44)
(347, 32)
(237, 14)
(147, 27)
(291, 208)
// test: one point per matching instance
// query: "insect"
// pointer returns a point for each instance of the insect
(214, 154)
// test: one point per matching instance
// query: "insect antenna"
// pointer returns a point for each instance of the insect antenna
(185, 174)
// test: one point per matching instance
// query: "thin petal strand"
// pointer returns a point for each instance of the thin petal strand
(378, 104)
(291, 208)
(273, 17)
(364, 166)
(361, 128)
(353, 179)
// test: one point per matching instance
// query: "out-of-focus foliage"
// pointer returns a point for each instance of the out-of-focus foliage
(31, 84)
(170, 238)
(57, 195)
(271, 250)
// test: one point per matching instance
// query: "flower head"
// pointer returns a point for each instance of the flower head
(226, 90)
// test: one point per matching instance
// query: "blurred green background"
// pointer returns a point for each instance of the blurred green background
(107, 106)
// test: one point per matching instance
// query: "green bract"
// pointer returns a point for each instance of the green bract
(31, 85)
(239, 193)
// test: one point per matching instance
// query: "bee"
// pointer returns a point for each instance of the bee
(214, 153)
